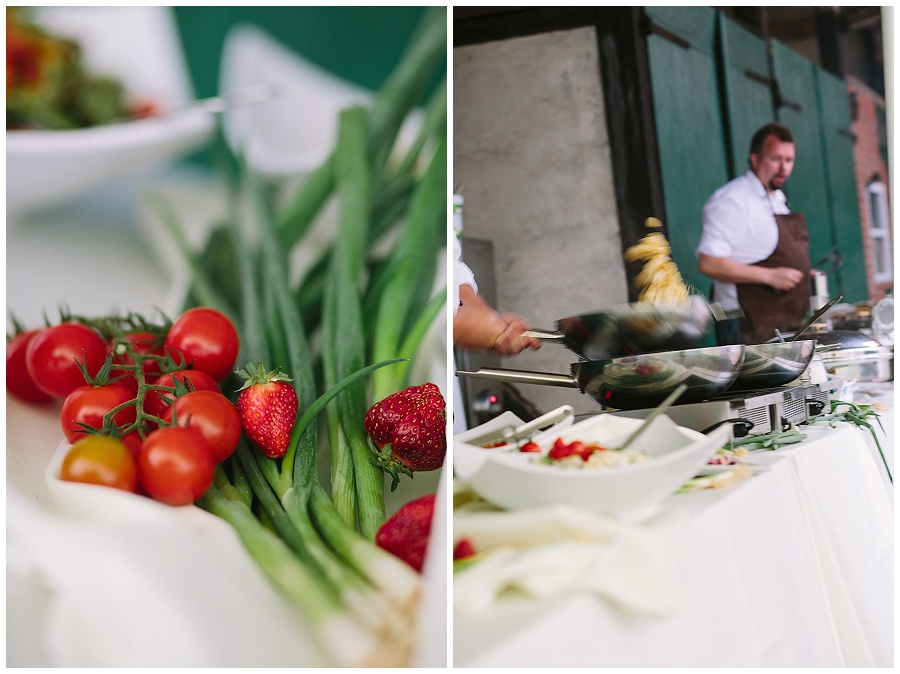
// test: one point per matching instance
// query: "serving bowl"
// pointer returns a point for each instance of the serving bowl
(515, 480)
(140, 47)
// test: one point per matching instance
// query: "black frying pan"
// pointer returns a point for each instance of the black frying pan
(636, 328)
(639, 381)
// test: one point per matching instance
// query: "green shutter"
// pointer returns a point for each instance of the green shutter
(748, 94)
(837, 143)
(689, 130)
(807, 188)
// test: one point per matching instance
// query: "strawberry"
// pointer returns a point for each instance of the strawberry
(267, 405)
(408, 430)
(405, 534)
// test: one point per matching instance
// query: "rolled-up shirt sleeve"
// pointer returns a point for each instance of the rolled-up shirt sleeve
(462, 275)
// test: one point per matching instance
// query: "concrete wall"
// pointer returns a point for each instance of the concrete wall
(531, 157)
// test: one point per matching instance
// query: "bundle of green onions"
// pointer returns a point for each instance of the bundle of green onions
(369, 312)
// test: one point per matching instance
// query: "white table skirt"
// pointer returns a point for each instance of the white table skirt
(792, 567)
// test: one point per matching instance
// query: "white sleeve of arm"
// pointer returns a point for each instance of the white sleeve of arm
(462, 275)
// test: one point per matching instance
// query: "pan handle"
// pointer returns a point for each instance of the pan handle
(521, 377)
(546, 335)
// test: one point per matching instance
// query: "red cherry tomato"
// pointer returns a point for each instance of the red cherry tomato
(208, 339)
(212, 415)
(133, 441)
(581, 449)
(463, 549)
(102, 460)
(18, 380)
(530, 447)
(145, 344)
(560, 450)
(89, 404)
(54, 354)
(156, 402)
(175, 465)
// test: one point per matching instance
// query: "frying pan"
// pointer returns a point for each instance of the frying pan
(773, 364)
(635, 328)
(639, 381)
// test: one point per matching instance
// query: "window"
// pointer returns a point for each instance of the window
(880, 233)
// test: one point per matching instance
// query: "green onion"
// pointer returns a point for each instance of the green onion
(345, 642)
(317, 547)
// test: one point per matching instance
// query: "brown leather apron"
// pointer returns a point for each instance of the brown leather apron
(765, 308)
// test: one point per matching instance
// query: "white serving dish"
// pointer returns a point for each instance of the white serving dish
(293, 133)
(139, 46)
(514, 480)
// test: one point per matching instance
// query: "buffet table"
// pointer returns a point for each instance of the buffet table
(791, 567)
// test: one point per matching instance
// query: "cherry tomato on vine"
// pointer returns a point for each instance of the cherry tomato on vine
(207, 339)
(54, 354)
(133, 441)
(101, 460)
(175, 465)
(157, 402)
(89, 404)
(19, 381)
(145, 344)
(213, 416)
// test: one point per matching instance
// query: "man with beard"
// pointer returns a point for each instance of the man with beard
(754, 248)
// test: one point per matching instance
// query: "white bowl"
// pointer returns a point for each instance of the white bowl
(514, 480)
(295, 132)
(140, 47)
(46, 168)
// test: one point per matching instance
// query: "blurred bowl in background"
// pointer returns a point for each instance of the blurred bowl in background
(139, 46)
(294, 133)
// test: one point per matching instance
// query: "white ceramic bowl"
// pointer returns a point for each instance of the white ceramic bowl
(140, 47)
(513, 480)
(45, 168)
(293, 133)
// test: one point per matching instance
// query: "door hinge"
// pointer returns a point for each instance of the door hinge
(652, 28)
(762, 79)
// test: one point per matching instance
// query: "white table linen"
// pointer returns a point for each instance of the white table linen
(792, 567)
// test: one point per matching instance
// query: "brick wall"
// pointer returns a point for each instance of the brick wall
(868, 126)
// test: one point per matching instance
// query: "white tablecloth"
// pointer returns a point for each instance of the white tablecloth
(66, 576)
(792, 567)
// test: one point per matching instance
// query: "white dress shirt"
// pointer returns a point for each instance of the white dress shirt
(462, 275)
(739, 223)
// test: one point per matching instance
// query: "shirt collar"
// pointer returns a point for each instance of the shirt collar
(777, 197)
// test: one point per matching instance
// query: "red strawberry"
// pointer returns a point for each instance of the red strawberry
(408, 429)
(267, 405)
(406, 533)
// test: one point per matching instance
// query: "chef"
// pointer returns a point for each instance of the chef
(755, 248)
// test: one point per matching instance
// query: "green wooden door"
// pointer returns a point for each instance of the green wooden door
(689, 129)
(849, 279)
(747, 102)
(807, 188)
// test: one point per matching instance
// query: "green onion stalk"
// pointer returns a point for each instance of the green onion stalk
(316, 544)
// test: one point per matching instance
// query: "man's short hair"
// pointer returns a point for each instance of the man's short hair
(772, 129)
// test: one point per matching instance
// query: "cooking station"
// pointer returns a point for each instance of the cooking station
(757, 411)
(791, 565)
(631, 357)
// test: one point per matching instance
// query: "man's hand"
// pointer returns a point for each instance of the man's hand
(511, 341)
(784, 278)
(728, 271)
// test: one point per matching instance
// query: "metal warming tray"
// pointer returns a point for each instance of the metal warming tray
(768, 410)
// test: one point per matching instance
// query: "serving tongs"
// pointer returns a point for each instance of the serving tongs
(516, 435)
